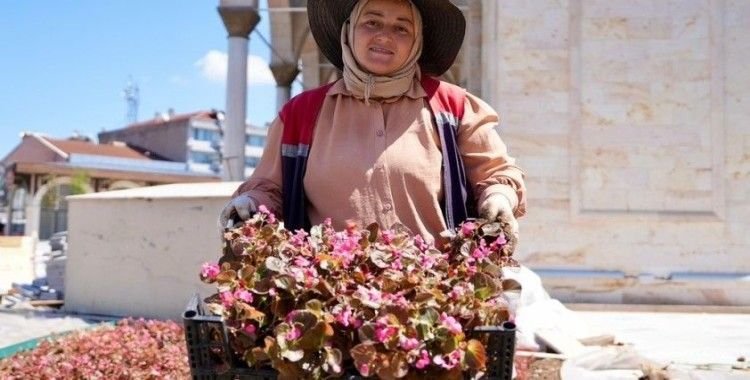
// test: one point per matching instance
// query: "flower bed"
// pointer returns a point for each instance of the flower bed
(368, 301)
(132, 349)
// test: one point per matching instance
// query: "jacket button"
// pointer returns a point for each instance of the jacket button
(380, 133)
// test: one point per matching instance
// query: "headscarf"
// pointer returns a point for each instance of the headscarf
(364, 85)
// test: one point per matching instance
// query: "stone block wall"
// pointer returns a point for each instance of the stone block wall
(631, 119)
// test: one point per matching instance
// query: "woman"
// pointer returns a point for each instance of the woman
(387, 143)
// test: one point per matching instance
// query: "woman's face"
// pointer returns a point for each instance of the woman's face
(384, 35)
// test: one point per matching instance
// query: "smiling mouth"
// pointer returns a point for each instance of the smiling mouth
(381, 50)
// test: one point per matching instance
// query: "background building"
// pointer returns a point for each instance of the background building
(41, 171)
(193, 138)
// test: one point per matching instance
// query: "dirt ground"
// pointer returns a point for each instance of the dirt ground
(528, 368)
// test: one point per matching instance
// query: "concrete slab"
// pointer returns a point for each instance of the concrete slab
(20, 326)
(697, 340)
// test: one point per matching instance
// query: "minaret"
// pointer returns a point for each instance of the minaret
(240, 17)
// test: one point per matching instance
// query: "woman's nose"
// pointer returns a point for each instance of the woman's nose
(383, 36)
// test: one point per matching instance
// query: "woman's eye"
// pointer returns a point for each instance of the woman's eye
(372, 23)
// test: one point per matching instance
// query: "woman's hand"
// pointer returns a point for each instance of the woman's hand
(497, 207)
(243, 206)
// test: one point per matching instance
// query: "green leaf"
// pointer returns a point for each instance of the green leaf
(366, 333)
(429, 316)
(483, 293)
(293, 355)
(476, 356)
(315, 306)
(306, 318)
(274, 264)
(284, 281)
(396, 366)
(492, 229)
(333, 359)
(363, 353)
(374, 230)
(314, 338)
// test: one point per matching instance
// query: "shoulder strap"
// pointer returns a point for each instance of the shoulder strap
(447, 104)
(299, 116)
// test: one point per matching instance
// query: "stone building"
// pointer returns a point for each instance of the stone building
(190, 138)
(630, 118)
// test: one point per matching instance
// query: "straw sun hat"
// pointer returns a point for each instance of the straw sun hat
(443, 28)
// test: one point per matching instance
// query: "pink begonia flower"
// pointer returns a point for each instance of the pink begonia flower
(364, 369)
(408, 344)
(249, 329)
(294, 333)
(423, 361)
(210, 271)
(290, 316)
(499, 242)
(301, 262)
(387, 236)
(370, 297)
(481, 252)
(421, 244)
(243, 295)
(457, 292)
(397, 265)
(427, 261)
(227, 298)
(344, 316)
(468, 228)
(451, 323)
(383, 333)
(264, 210)
(299, 238)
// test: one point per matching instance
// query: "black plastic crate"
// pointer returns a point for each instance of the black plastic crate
(211, 357)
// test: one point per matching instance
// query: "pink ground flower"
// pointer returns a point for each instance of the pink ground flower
(210, 271)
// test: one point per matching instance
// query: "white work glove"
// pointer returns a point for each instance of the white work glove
(243, 206)
(497, 207)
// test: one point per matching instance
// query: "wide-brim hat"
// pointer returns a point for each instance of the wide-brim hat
(443, 23)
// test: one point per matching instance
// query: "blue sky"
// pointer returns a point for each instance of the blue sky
(64, 64)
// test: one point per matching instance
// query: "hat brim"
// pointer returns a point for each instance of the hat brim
(444, 27)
